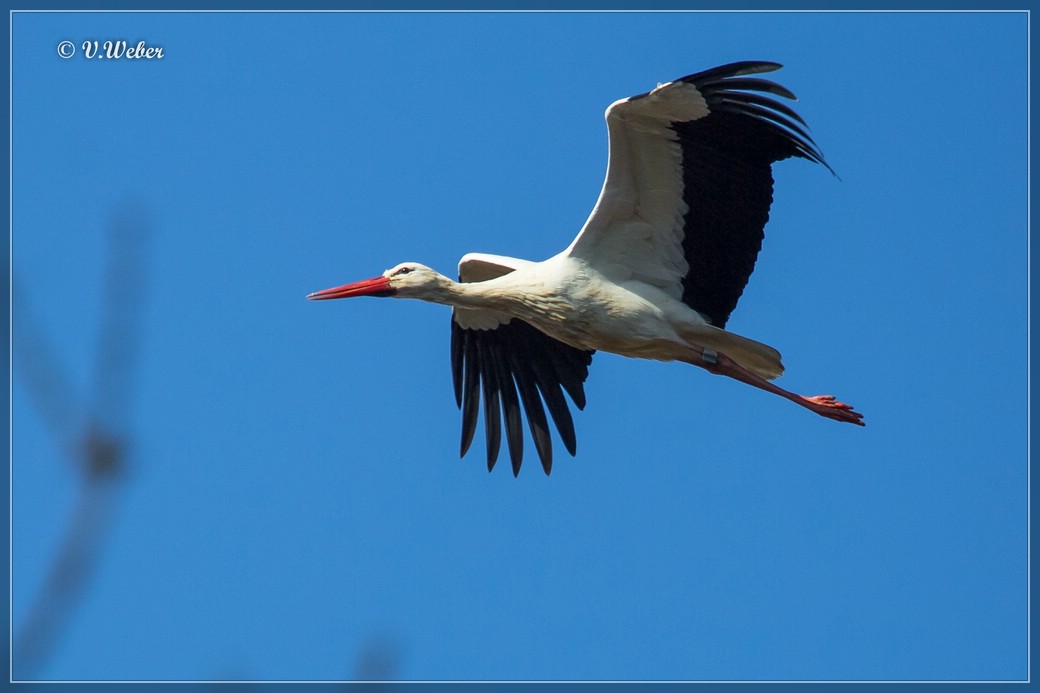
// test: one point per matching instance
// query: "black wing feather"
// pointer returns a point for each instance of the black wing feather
(554, 400)
(512, 364)
(470, 396)
(524, 375)
(751, 98)
(510, 407)
(492, 409)
(708, 87)
(728, 181)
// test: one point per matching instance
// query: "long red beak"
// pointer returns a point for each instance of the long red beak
(376, 286)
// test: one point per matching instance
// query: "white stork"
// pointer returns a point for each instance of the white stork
(654, 273)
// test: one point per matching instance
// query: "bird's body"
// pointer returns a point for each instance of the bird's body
(653, 274)
(573, 302)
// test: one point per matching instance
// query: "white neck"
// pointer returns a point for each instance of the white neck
(493, 294)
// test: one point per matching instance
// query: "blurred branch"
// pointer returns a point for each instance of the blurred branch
(96, 441)
(122, 310)
(66, 580)
(378, 660)
(46, 383)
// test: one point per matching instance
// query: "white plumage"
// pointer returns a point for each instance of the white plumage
(654, 273)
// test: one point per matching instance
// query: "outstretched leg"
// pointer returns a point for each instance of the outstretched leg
(824, 405)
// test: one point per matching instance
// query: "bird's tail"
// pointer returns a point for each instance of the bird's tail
(760, 359)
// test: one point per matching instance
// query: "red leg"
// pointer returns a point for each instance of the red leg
(824, 405)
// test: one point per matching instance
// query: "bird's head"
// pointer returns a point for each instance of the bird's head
(407, 280)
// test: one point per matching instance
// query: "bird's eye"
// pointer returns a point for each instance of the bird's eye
(403, 270)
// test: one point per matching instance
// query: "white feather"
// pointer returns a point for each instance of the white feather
(635, 230)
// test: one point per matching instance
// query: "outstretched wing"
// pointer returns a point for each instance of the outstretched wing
(689, 184)
(510, 363)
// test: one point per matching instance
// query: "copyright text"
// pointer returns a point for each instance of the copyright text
(111, 50)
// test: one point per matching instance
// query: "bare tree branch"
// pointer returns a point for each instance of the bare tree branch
(95, 441)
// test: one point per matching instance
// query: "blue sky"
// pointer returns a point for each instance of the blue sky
(294, 496)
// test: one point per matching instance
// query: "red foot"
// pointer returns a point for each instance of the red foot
(826, 405)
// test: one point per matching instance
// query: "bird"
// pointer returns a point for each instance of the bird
(654, 273)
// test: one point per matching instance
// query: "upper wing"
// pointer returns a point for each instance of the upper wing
(510, 362)
(689, 185)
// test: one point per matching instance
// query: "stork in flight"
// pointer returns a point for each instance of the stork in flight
(654, 273)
